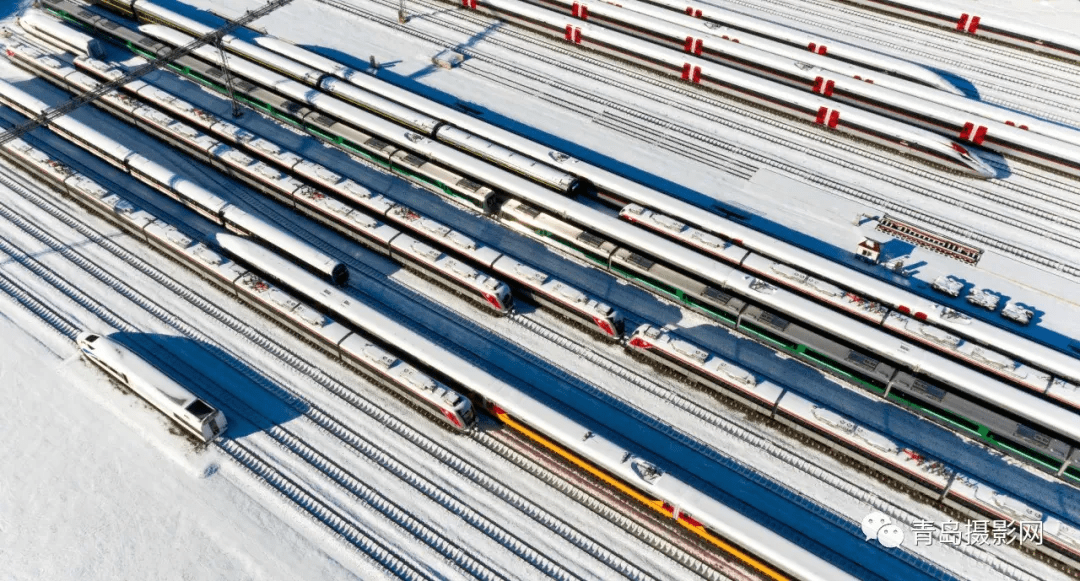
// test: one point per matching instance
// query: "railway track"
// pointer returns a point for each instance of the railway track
(455, 463)
(641, 117)
(380, 554)
(1001, 199)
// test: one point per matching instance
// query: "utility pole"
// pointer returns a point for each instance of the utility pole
(236, 110)
(76, 102)
(402, 15)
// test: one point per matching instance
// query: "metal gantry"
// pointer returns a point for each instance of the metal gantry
(213, 38)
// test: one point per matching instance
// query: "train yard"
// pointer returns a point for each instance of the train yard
(541, 313)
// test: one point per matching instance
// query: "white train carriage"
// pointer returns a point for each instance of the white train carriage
(562, 235)
(452, 240)
(767, 34)
(703, 367)
(512, 404)
(681, 232)
(345, 219)
(561, 297)
(409, 381)
(366, 99)
(925, 474)
(1064, 537)
(1003, 29)
(562, 181)
(52, 31)
(487, 291)
(816, 288)
(349, 190)
(176, 133)
(170, 398)
(975, 354)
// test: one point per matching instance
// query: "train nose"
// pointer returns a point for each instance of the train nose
(83, 339)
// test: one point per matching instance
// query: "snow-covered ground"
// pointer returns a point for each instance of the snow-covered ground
(97, 482)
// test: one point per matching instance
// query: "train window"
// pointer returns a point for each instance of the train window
(467, 184)
(1030, 435)
(529, 210)
(591, 239)
(213, 72)
(376, 143)
(928, 389)
(413, 160)
(320, 118)
(200, 409)
(147, 41)
(775, 321)
(716, 295)
(91, 338)
(862, 360)
(639, 260)
(108, 25)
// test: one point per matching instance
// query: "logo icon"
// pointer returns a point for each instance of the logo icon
(878, 525)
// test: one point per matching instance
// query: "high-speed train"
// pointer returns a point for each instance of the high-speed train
(951, 373)
(809, 107)
(913, 357)
(434, 128)
(912, 325)
(716, 66)
(197, 417)
(402, 160)
(752, 31)
(164, 180)
(944, 391)
(301, 317)
(927, 475)
(620, 191)
(52, 32)
(762, 549)
(972, 120)
(692, 508)
(773, 257)
(357, 212)
(338, 339)
(1000, 28)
